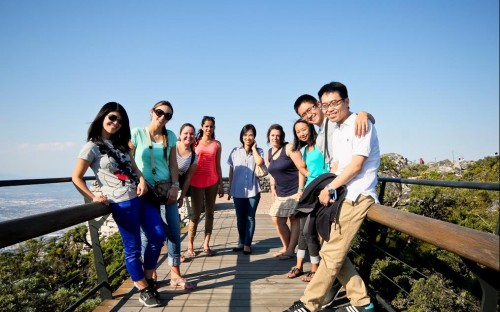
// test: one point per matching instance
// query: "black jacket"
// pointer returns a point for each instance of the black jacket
(309, 203)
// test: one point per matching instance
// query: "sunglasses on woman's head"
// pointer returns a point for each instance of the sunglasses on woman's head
(114, 118)
(160, 113)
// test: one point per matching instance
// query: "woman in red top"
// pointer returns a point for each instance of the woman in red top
(206, 181)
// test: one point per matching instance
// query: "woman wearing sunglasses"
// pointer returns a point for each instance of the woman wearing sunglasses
(154, 153)
(109, 156)
(205, 183)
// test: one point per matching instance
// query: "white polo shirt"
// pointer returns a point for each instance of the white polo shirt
(346, 145)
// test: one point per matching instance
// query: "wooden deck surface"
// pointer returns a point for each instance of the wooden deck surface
(229, 281)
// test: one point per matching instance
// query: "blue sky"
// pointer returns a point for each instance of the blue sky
(428, 70)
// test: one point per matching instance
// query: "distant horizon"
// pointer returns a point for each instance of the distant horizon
(4, 177)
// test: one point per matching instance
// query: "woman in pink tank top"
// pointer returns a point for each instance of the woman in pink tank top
(205, 184)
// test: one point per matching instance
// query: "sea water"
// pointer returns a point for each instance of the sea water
(27, 200)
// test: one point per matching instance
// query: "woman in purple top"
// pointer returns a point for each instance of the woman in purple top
(283, 166)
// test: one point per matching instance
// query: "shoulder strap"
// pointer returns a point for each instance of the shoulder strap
(193, 155)
(150, 146)
(326, 153)
(272, 156)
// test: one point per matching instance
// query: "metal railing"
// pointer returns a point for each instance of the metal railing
(473, 246)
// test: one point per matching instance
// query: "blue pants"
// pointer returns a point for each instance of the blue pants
(245, 217)
(172, 229)
(131, 216)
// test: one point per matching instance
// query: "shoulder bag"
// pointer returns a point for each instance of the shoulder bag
(158, 192)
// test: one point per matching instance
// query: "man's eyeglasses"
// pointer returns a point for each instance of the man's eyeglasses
(160, 113)
(114, 118)
(308, 111)
(332, 104)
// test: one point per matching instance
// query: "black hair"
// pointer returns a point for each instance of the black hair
(304, 98)
(280, 129)
(245, 129)
(121, 138)
(334, 86)
(311, 141)
(200, 131)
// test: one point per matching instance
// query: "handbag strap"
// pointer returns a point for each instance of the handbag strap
(150, 145)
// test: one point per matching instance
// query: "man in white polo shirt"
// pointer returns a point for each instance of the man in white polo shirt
(355, 161)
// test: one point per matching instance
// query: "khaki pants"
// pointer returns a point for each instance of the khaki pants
(334, 261)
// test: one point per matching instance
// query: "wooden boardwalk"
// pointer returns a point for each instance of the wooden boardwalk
(229, 281)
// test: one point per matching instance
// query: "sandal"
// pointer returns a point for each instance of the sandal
(308, 277)
(209, 252)
(286, 257)
(180, 282)
(190, 252)
(295, 272)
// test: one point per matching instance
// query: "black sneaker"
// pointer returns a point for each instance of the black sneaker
(149, 298)
(297, 306)
(351, 308)
(153, 285)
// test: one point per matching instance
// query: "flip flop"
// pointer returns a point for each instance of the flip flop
(209, 252)
(285, 257)
(182, 283)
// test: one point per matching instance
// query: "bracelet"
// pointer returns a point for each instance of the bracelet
(301, 188)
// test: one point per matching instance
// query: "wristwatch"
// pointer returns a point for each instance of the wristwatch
(331, 191)
(176, 183)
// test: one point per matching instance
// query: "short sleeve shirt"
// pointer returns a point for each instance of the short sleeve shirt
(244, 183)
(142, 155)
(115, 186)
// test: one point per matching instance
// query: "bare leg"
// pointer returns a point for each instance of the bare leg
(283, 232)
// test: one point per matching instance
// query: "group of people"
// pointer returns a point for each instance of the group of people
(344, 148)
(128, 164)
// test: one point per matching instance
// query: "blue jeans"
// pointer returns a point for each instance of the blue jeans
(131, 216)
(245, 217)
(172, 229)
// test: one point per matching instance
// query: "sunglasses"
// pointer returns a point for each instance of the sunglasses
(114, 118)
(160, 113)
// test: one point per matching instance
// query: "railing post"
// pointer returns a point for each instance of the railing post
(100, 267)
(381, 193)
(490, 285)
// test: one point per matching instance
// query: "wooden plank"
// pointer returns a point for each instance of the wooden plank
(228, 281)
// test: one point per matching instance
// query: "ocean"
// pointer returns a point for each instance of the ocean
(26, 200)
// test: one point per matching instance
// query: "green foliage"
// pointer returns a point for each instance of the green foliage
(454, 288)
(52, 274)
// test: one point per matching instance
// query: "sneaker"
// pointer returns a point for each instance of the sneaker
(351, 308)
(151, 283)
(297, 306)
(148, 298)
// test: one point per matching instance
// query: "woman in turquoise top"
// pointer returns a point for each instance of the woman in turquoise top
(163, 153)
(305, 141)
